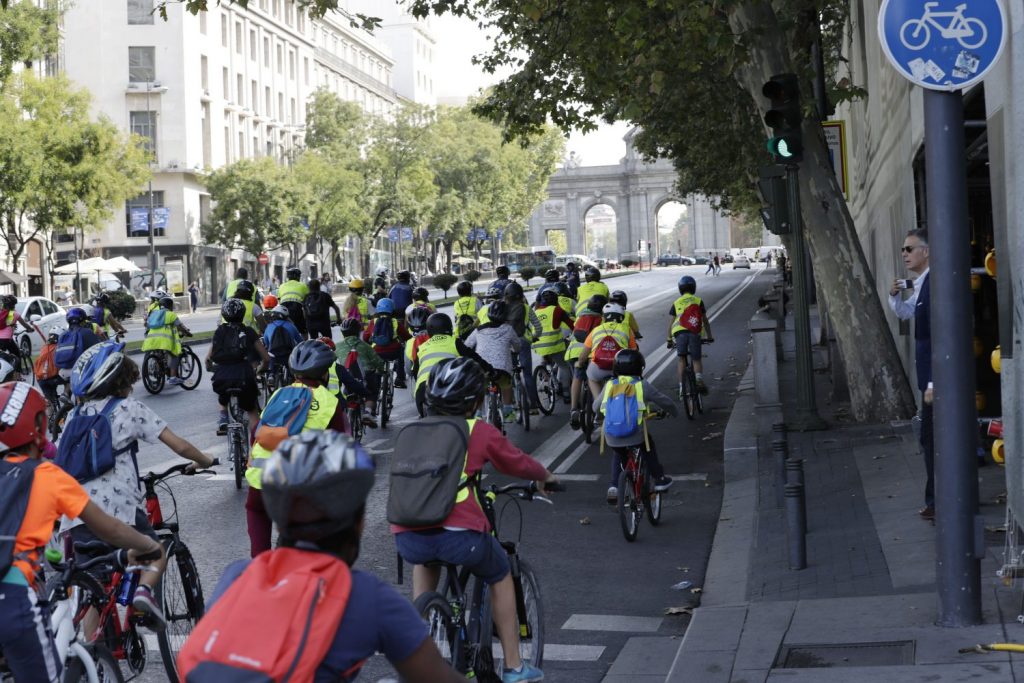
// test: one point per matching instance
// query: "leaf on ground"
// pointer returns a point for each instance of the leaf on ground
(712, 435)
(678, 610)
(696, 591)
(585, 521)
(683, 569)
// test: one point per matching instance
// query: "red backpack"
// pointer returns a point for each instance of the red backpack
(692, 319)
(604, 352)
(276, 622)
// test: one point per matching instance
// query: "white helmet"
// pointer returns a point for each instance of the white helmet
(613, 310)
(280, 310)
(381, 272)
(158, 294)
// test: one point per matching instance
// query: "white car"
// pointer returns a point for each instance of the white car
(44, 314)
(741, 262)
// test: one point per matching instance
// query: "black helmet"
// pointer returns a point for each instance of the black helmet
(244, 290)
(403, 276)
(313, 284)
(551, 275)
(572, 266)
(167, 302)
(315, 484)
(102, 299)
(455, 385)
(549, 297)
(420, 294)
(417, 318)
(293, 273)
(513, 291)
(592, 274)
(350, 327)
(618, 297)
(52, 338)
(687, 285)
(464, 288)
(9, 301)
(310, 359)
(439, 323)
(629, 362)
(597, 302)
(497, 312)
(502, 271)
(233, 310)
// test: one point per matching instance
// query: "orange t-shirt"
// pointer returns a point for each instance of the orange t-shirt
(54, 493)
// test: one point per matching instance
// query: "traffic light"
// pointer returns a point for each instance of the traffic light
(784, 118)
(775, 212)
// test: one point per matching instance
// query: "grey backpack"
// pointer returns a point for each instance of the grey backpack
(426, 470)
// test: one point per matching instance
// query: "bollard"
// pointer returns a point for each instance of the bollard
(795, 475)
(779, 455)
(796, 526)
(779, 432)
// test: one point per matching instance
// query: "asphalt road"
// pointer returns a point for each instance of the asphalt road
(598, 589)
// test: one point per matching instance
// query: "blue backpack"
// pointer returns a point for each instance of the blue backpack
(156, 318)
(383, 330)
(15, 488)
(284, 416)
(70, 345)
(86, 450)
(622, 409)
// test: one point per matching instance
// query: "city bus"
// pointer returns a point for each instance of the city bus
(538, 258)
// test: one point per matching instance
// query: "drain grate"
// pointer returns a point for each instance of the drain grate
(895, 653)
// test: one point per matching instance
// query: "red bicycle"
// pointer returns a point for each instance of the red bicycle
(636, 490)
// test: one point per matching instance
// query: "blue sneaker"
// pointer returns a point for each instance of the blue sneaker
(525, 674)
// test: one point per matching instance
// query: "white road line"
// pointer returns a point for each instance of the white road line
(612, 622)
(555, 445)
(579, 477)
(375, 442)
(692, 476)
(563, 653)
(572, 458)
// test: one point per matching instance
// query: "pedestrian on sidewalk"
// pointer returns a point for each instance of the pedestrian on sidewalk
(916, 306)
(711, 265)
(193, 295)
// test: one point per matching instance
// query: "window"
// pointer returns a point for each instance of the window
(292, 111)
(255, 146)
(280, 106)
(275, 7)
(291, 65)
(238, 37)
(280, 60)
(33, 309)
(49, 308)
(226, 84)
(140, 11)
(269, 111)
(266, 52)
(241, 144)
(204, 73)
(227, 144)
(138, 209)
(143, 124)
(224, 30)
(239, 90)
(254, 100)
(141, 64)
(253, 45)
(305, 69)
(202, 22)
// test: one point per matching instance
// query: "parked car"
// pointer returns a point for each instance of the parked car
(728, 258)
(688, 260)
(701, 260)
(741, 261)
(45, 314)
(670, 260)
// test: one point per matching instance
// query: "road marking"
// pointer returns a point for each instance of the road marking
(375, 442)
(562, 653)
(555, 445)
(692, 476)
(578, 477)
(573, 457)
(612, 622)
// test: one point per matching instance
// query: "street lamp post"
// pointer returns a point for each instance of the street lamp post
(152, 138)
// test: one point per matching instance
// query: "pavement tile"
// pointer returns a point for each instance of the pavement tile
(714, 629)
(701, 667)
(763, 632)
(945, 673)
(642, 657)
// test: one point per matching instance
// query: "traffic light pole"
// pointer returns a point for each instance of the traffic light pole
(958, 567)
(807, 417)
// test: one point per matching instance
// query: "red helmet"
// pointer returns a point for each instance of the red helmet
(328, 341)
(269, 301)
(22, 416)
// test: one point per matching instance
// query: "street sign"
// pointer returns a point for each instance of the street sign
(944, 44)
(392, 234)
(263, 259)
(835, 140)
(407, 234)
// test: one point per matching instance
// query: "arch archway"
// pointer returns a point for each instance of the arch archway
(600, 230)
(674, 227)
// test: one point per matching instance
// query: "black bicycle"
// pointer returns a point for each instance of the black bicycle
(549, 385)
(354, 408)
(459, 616)
(521, 397)
(691, 395)
(386, 394)
(238, 437)
(57, 409)
(587, 411)
(156, 369)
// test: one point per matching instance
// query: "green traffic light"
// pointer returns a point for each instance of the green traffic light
(782, 147)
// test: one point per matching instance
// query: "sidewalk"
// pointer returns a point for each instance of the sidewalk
(865, 606)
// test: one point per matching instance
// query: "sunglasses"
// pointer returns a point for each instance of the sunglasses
(907, 250)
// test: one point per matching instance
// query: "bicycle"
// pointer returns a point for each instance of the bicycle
(464, 631)
(549, 388)
(156, 369)
(693, 400)
(960, 28)
(636, 490)
(587, 412)
(521, 399)
(238, 437)
(58, 409)
(354, 406)
(386, 393)
(492, 406)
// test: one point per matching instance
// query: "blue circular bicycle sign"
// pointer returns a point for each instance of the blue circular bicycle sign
(942, 44)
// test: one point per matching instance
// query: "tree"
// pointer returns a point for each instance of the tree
(444, 282)
(329, 193)
(27, 34)
(556, 239)
(256, 207)
(527, 273)
(689, 72)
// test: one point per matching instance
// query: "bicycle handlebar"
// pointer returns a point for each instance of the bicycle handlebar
(525, 491)
(179, 469)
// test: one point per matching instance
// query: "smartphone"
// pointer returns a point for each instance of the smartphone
(905, 284)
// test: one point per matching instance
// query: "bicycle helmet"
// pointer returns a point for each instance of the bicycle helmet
(597, 302)
(513, 291)
(244, 290)
(356, 285)
(552, 275)
(9, 301)
(269, 301)
(102, 299)
(350, 327)
(281, 312)
(316, 483)
(382, 272)
(233, 310)
(420, 294)
(439, 323)
(313, 285)
(629, 362)
(464, 288)
(572, 266)
(95, 369)
(618, 297)
(455, 385)
(386, 305)
(167, 302)
(497, 311)
(592, 274)
(502, 271)
(75, 316)
(242, 273)
(328, 342)
(22, 416)
(613, 312)
(687, 285)
(404, 276)
(417, 318)
(549, 297)
(157, 294)
(495, 293)
(310, 359)
(293, 273)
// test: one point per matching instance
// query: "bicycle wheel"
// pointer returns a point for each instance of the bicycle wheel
(153, 371)
(387, 398)
(355, 418)
(629, 506)
(181, 597)
(190, 370)
(522, 402)
(651, 499)
(436, 611)
(238, 458)
(493, 411)
(699, 401)
(689, 393)
(587, 415)
(545, 388)
(107, 669)
(61, 409)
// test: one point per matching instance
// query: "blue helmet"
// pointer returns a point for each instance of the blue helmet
(76, 316)
(687, 285)
(385, 305)
(95, 370)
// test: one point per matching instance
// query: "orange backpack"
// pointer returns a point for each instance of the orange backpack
(46, 366)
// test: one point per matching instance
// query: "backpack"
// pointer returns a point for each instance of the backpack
(70, 346)
(622, 411)
(99, 315)
(233, 346)
(156, 318)
(692, 319)
(300, 596)
(584, 325)
(314, 305)
(15, 488)
(85, 450)
(281, 342)
(465, 325)
(383, 330)
(284, 416)
(426, 471)
(46, 365)
(604, 352)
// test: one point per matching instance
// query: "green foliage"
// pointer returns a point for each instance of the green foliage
(627, 263)
(527, 273)
(122, 303)
(27, 34)
(472, 275)
(335, 123)
(444, 282)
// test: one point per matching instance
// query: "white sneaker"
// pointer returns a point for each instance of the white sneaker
(613, 495)
(174, 381)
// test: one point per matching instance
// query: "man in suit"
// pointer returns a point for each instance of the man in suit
(916, 306)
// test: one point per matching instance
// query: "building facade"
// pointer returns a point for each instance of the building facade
(412, 46)
(204, 91)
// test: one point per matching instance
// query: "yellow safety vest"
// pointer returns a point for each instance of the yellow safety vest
(163, 338)
(482, 318)
(408, 349)
(576, 347)
(319, 417)
(631, 321)
(464, 488)
(333, 381)
(619, 331)
(568, 304)
(431, 352)
(681, 305)
(229, 291)
(587, 290)
(551, 340)
(292, 291)
(466, 305)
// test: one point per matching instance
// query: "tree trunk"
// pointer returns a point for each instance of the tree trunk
(879, 389)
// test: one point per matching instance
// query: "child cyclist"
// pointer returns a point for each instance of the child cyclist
(619, 297)
(588, 318)
(689, 323)
(628, 369)
(281, 335)
(603, 343)
(467, 307)
(416, 321)
(495, 341)
(165, 331)
(420, 299)
(235, 349)
(360, 360)
(550, 345)
(388, 335)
